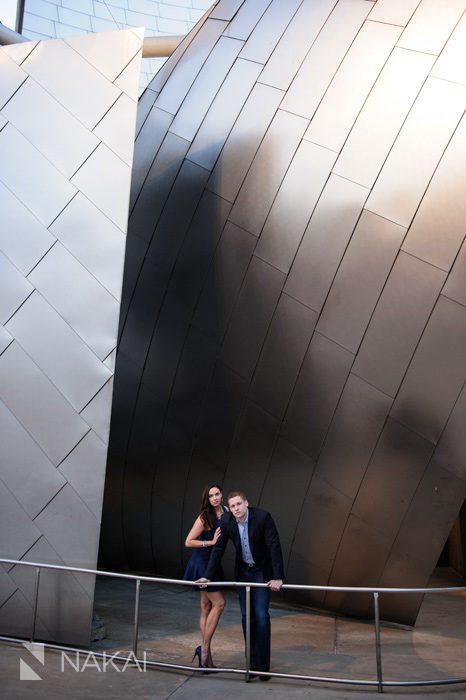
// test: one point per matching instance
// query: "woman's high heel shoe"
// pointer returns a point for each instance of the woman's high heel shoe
(198, 653)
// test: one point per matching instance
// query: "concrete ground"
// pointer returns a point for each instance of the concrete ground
(303, 642)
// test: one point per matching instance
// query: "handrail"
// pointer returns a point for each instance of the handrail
(379, 682)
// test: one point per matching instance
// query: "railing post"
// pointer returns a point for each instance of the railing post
(378, 649)
(34, 604)
(136, 617)
(248, 632)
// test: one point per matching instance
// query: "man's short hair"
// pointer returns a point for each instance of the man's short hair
(234, 494)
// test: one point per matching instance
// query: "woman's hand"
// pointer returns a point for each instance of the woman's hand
(217, 534)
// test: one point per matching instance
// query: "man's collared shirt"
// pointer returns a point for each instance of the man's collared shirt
(244, 538)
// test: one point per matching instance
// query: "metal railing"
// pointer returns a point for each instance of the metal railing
(378, 683)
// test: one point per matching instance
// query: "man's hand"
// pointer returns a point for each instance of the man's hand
(202, 580)
(275, 584)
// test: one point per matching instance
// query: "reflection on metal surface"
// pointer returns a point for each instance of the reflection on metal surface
(61, 265)
(291, 320)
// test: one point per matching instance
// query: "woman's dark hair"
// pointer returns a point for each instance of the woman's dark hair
(208, 514)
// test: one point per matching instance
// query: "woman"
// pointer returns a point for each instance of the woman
(202, 537)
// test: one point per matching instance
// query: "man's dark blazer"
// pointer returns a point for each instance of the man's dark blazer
(263, 542)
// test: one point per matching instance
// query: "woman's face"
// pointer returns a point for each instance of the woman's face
(215, 497)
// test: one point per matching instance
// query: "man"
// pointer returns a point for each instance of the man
(258, 560)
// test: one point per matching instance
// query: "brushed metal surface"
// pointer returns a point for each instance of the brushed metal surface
(294, 204)
(282, 354)
(422, 140)
(393, 95)
(360, 279)
(451, 449)
(269, 30)
(12, 76)
(15, 541)
(243, 141)
(96, 414)
(426, 397)
(5, 339)
(246, 19)
(226, 9)
(352, 84)
(324, 57)
(394, 11)
(352, 436)
(14, 289)
(295, 41)
(267, 171)
(431, 25)
(223, 113)
(114, 126)
(455, 286)
(109, 52)
(325, 241)
(84, 471)
(398, 322)
(451, 64)
(442, 208)
(251, 318)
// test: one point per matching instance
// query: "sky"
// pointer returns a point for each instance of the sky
(8, 13)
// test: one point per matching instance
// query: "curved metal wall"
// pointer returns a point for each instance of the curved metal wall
(293, 317)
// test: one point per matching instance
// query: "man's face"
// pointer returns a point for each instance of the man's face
(238, 507)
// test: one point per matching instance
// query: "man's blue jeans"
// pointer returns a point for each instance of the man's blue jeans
(260, 618)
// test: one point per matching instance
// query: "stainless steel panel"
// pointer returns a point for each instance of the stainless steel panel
(14, 289)
(417, 151)
(109, 52)
(18, 539)
(436, 374)
(67, 362)
(206, 85)
(134, 258)
(251, 318)
(398, 321)
(226, 9)
(185, 72)
(128, 80)
(267, 171)
(224, 280)
(93, 240)
(450, 453)
(222, 406)
(315, 397)
(223, 113)
(251, 451)
(455, 286)
(431, 25)
(116, 128)
(148, 141)
(294, 44)
(246, 19)
(15, 615)
(243, 141)
(79, 299)
(192, 376)
(56, 133)
(26, 471)
(11, 77)
(18, 52)
(3, 121)
(282, 355)
(84, 470)
(267, 33)
(294, 204)
(392, 477)
(28, 183)
(353, 434)
(105, 180)
(76, 546)
(451, 64)
(198, 248)
(88, 95)
(177, 214)
(325, 56)
(157, 186)
(26, 390)
(393, 11)
(137, 331)
(7, 588)
(284, 490)
(371, 138)
(325, 241)
(437, 230)
(145, 105)
(360, 280)
(5, 339)
(97, 412)
(352, 84)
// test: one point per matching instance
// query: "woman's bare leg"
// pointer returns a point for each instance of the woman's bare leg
(217, 603)
(206, 607)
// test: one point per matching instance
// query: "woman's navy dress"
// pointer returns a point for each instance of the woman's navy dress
(197, 564)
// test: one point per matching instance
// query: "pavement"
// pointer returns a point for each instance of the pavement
(304, 642)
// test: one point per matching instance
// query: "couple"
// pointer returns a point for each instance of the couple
(258, 560)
